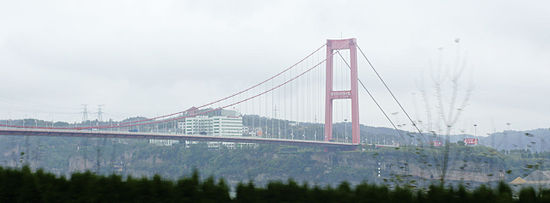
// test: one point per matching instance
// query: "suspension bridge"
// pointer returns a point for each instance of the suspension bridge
(301, 94)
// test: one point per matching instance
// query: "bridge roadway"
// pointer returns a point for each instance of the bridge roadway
(172, 136)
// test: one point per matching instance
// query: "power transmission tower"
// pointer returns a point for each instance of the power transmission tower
(84, 112)
(100, 112)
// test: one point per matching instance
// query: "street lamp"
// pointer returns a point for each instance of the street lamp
(315, 135)
(475, 130)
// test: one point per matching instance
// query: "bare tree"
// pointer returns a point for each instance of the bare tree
(450, 99)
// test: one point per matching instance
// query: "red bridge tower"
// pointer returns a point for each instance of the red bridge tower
(331, 95)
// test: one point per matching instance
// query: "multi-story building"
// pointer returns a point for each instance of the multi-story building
(217, 123)
(227, 125)
(199, 125)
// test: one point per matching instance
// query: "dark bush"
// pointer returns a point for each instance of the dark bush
(23, 185)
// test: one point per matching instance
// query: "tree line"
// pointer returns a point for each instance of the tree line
(24, 185)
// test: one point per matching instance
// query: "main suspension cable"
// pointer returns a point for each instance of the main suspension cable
(238, 93)
(214, 109)
(389, 90)
(372, 97)
(397, 101)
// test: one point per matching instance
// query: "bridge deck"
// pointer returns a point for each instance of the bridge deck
(172, 136)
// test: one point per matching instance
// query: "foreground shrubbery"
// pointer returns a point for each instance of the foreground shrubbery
(26, 186)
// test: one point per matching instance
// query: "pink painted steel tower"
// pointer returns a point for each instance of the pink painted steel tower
(331, 95)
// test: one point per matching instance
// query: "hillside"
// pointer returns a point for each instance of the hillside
(532, 140)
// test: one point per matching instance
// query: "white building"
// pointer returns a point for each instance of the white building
(216, 123)
(200, 125)
(227, 125)
(224, 123)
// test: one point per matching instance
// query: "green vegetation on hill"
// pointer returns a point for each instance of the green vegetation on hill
(414, 166)
(23, 185)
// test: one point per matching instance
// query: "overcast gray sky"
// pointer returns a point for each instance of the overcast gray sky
(156, 57)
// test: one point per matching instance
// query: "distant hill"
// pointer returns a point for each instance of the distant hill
(536, 140)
